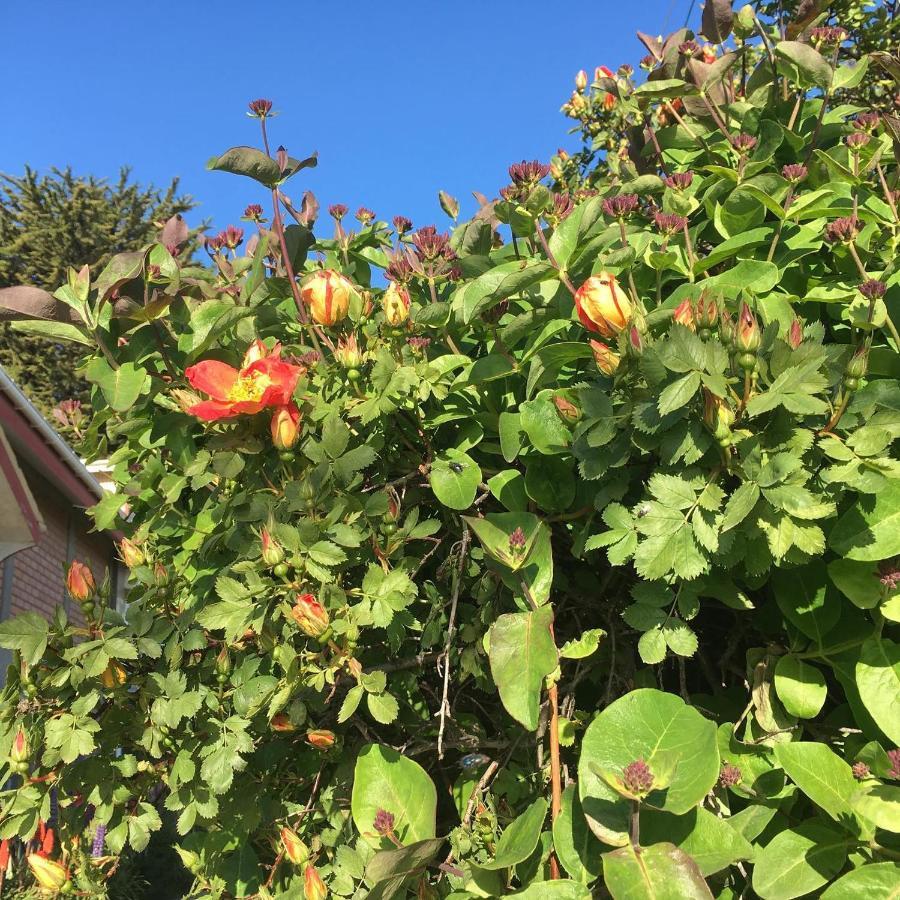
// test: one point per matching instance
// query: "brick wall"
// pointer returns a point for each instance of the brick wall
(38, 581)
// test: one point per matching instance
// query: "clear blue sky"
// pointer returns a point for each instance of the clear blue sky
(399, 99)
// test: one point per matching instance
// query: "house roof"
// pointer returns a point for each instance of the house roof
(35, 441)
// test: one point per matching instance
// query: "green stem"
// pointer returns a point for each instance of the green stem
(787, 202)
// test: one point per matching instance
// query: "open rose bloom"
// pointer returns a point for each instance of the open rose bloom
(264, 380)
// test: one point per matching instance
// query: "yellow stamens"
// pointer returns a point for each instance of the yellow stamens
(249, 388)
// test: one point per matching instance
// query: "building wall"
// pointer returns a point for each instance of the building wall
(34, 579)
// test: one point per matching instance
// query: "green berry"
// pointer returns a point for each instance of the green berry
(851, 384)
(281, 570)
(21, 767)
(747, 361)
(726, 441)
(287, 456)
(87, 608)
(353, 374)
(389, 528)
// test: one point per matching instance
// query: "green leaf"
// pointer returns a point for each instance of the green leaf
(121, 268)
(800, 687)
(27, 633)
(798, 861)
(550, 483)
(675, 395)
(519, 838)
(876, 881)
(806, 599)
(257, 165)
(546, 431)
(351, 703)
(563, 889)
(57, 331)
(385, 780)
(498, 284)
(870, 529)
(663, 731)
(739, 505)
(383, 707)
(584, 646)
(574, 843)
(807, 65)
(712, 842)
(522, 654)
(879, 803)
(878, 681)
(660, 872)
(403, 861)
(121, 387)
(454, 478)
(821, 774)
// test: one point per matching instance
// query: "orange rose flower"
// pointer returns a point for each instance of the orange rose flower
(80, 582)
(602, 305)
(285, 426)
(263, 380)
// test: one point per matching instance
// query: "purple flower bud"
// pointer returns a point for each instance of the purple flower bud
(648, 63)
(383, 822)
(843, 230)
(873, 289)
(860, 771)
(621, 206)
(637, 778)
(867, 121)
(337, 211)
(795, 173)
(679, 181)
(894, 759)
(364, 215)
(528, 173)
(857, 139)
(889, 576)
(743, 143)
(259, 109)
(517, 542)
(669, 223)
(402, 224)
(730, 776)
(689, 48)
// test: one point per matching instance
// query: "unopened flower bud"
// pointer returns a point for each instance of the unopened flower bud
(449, 205)
(635, 344)
(858, 364)
(602, 305)
(747, 336)
(395, 304)
(131, 553)
(744, 22)
(795, 334)
(294, 848)
(718, 416)
(567, 410)
(80, 582)
(726, 328)
(313, 886)
(606, 359)
(581, 80)
(259, 109)
(873, 289)
(794, 173)
(383, 822)
(160, 575)
(310, 615)
(49, 874)
(860, 771)
(707, 312)
(223, 661)
(327, 294)
(321, 738)
(285, 426)
(281, 722)
(347, 353)
(684, 314)
(113, 676)
(730, 776)
(19, 752)
(517, 542)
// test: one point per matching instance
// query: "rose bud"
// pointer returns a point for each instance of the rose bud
(718, 416)
(795, 334)
(857, 367)
(18, 752)
(395, 304)
(281, 722)
(567, 410)
(80, 582)
(747, 336)
(347, 353)
(726, 328)
(131, 553)
(294, 849)
(313, 886)
(684, 314)
(707, 311)
(50, 875)
(635, 342)
(581, 80)
(285, 426)
(609, 101)
(327, 294)
(603, 72)
(321, 738)
(160, 575)
(272, 551)
(607, 360)
(602, 306)
(310, 615)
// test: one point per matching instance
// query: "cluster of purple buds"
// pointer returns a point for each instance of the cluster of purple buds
(648, 63)
(743, 143)
(843, 230)
(231, 238)
(620, 207)
(889, 576)
(308, 359)
(679, 181)
(253, 213)
(517, 542)
(730, 776)
(794, 172)
(259, 109)
(860, 771)
(828, 35)
(867, 121)
(383, 822)
(337, 211)
(561, 206)
(364, 215)
(625, 71)
(432, 245)
(399, 268)
(857, 139)
(69, 413)
(528, 174)
(689, 48)
(669, 223)
(418, 344)
(402, 224)
(873, 289)
(894, 759)
(637, 778)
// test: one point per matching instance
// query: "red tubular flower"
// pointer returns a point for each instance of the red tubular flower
(263, 380)
(80, 582)
(285, 426)
(602, 306)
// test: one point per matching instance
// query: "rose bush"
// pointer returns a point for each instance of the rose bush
(562, 566)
